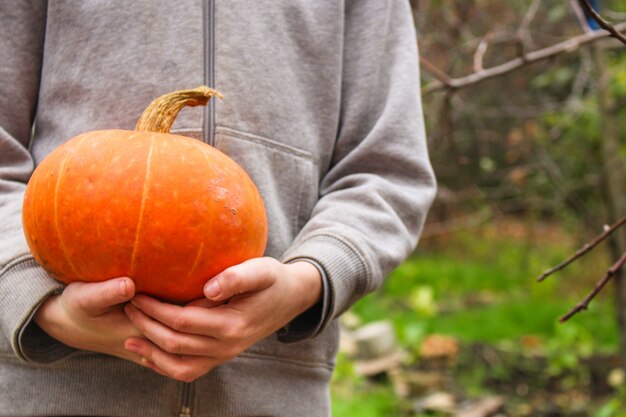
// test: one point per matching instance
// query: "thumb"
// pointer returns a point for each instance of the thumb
(253, 275)
(97, 298)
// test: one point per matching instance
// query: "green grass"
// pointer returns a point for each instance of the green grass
(480, 287)
(485, 290)
(366, 402)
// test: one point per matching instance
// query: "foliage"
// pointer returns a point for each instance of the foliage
(615, 407)
(528, 140)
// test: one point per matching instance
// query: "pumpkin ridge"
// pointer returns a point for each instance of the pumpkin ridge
(68, 259)
(142, 207)
(196, 261)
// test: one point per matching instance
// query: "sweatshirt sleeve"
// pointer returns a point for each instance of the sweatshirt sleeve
(23, 284)
(375, 196)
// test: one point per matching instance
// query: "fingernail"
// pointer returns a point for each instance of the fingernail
(145, 361)
(212, 289)
(132, 346)
(124, 290)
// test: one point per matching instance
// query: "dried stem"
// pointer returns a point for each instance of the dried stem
(160, 114)
(584, 304)
(586, 248)
(604, 24)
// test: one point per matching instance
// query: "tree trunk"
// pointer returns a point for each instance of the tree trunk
(614, 181)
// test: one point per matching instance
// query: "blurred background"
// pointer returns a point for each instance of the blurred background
(525, 105)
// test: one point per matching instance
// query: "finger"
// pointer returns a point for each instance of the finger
(146, 362)
(253, 275)
(182, 368)
(167, 339)
(138, 359)
(97, 298)
(204, 303)
(191, 319)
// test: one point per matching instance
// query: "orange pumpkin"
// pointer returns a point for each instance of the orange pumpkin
(168, 211)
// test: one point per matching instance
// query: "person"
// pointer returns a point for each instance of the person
(322, 109)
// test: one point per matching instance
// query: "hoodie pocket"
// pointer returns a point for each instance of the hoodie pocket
(285, 176)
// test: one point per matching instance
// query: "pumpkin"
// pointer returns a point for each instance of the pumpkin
(168, 211)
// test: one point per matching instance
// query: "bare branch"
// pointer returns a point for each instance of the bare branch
(480, 53)
(573, 44)
(446, 121)
(528, 18)
(602, 22)
(584, 304)
(434, 71)
(586, 248)
(580, 15)
(582, 78)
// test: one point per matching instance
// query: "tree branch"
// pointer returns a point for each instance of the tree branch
(586, 248)
(580, 15)
(584, 304)
(444, 82)
(522, 34)
(614, 32)
(528, 17)
(434, 71)
(479, 55)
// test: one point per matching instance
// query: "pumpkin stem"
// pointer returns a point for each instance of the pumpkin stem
(160, 114)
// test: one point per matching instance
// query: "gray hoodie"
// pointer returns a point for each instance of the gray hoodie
(321, 108)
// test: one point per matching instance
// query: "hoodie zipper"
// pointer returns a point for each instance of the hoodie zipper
(208, 28)
(185, 409)
(208, 14)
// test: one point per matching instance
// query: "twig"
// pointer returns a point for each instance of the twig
(581, 80)
(604, 24)
(586, 248)
(580, 15)
(434, 71)
(522, 35)
(446, 121)
(568, 46)
(522, 31)
(584, 304)
(479, 55)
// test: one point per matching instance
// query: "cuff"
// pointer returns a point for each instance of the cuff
(310, 323)
(26, 285)
(345, 270)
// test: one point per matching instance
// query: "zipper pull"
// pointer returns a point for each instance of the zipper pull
(185, 412)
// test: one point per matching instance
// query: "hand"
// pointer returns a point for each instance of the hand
(90, 316)
(185, 342)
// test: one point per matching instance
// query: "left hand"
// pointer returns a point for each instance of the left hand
(186, 342)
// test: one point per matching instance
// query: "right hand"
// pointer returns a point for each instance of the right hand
(91, 316)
